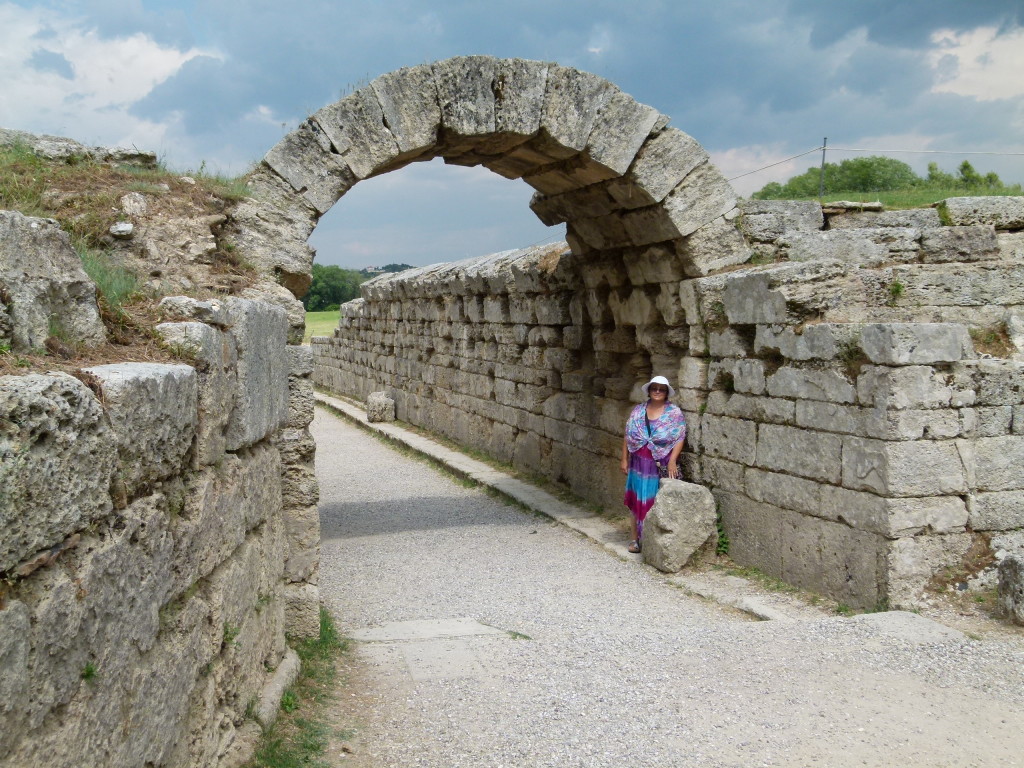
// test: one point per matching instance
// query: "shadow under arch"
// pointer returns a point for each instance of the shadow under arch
(629, 187)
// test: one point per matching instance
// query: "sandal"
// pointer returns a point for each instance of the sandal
(634, 546)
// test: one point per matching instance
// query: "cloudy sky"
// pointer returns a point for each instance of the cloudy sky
(755, 81)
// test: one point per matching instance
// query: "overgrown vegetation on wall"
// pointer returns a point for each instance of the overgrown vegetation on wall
(875, 175)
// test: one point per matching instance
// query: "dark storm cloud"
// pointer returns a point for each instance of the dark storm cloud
(904, 23)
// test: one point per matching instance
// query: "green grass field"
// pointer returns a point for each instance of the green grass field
(320, 324)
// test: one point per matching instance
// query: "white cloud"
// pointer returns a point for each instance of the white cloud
(979, 63)
(743, 160)
(600, 40)
(108, 76)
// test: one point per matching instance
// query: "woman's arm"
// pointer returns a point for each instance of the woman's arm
(625, 457)
(673, 467)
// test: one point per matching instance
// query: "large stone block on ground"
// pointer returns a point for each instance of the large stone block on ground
(1011, 589)
(380, 407)
(57, 459)
(260, 332)
(1000, 212)
(153, 412)
(44, 291)
(302, 610)
(681, 521)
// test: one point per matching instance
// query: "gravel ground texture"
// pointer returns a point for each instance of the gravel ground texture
(569, 656)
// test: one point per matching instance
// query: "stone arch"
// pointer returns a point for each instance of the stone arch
(630, 188)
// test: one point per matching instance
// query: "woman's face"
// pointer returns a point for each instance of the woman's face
(658, 393)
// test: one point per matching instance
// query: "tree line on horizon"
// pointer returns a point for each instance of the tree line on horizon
(332, 286)
(883, 174)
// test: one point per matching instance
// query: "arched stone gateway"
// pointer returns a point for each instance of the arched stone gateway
(853, 439)
(622, 180)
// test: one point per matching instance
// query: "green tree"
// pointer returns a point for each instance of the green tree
(860, 174)
(331, 287)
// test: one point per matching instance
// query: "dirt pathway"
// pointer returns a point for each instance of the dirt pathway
(490, 637)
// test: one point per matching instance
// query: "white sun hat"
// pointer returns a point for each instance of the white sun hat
(658, 380)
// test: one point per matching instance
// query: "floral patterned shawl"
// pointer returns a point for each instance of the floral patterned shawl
(666, 430)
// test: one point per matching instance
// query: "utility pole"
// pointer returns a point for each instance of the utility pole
(821, 177)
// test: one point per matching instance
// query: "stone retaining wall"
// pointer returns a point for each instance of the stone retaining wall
(158, 537)
(856, 442)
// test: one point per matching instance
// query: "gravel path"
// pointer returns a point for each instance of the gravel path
(568, 656)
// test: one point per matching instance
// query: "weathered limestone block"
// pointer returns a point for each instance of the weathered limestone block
(1000, 212)
(866, 247)
(57, 460)
(811, 384)
(990, 382)
(997, 511)
(915, 343)
(681, 521)
(814, 455)
(153, 413)
(302, 610)
(916, 386)
(748, 300)
(820, 341)
(304, 159)
(804, 551)
(953, 244)
(917, 218)
(733, 439)
(260, 332)
(271, 229)
(1011, 589)
(465, 95)
(916, 468)
(380, 407)
(913, 561)
(184, 308)
(44, 291)
(15, 682)
(620, 130)
(661, 164)
(754, 408)
(573, 101)
(215, 357)
(716, 245)
(785, 491)
(994, 463)
(892, 517)
(221, 504)
(970, 285)
(358, 132)
(703, 196)
(408, 100)
(878, 423)
(766, 220)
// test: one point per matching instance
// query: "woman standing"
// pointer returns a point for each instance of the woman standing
(655, 433)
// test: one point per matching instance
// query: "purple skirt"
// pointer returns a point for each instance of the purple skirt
(641, 485)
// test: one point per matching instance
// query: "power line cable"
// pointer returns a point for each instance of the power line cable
(794, 157)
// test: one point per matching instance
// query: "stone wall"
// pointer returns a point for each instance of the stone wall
(855, 440)
(158, 537)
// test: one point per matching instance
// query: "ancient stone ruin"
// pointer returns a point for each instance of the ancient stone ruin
(856, 441)
(852, 381)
